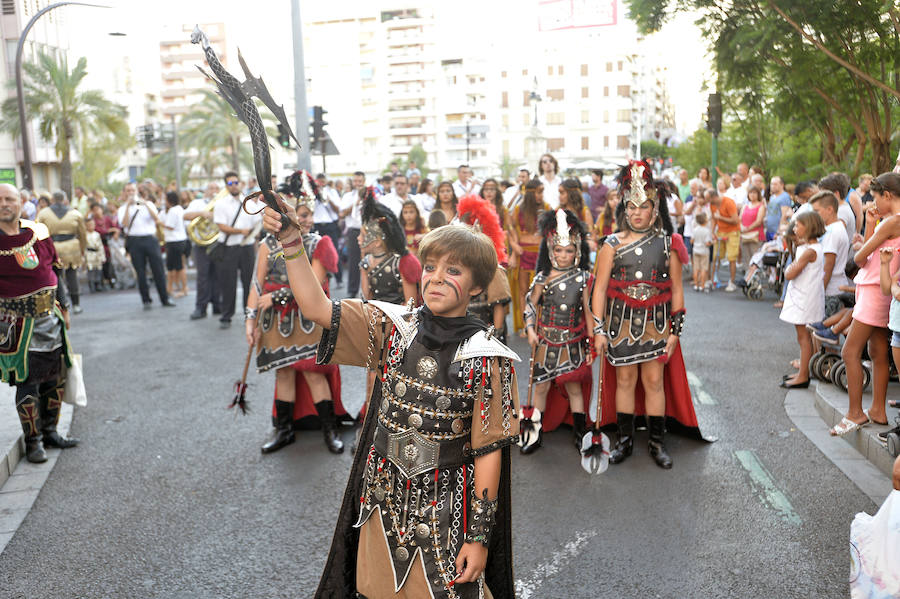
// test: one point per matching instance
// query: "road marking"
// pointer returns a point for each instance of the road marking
(764, 483)
(527, 589)
(699, 394)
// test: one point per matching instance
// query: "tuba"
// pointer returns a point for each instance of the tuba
(201, 230)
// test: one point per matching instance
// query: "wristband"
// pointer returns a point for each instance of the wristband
(250, 313)
(295, 255)
(290, 244)
(676, 323)
(481, 523)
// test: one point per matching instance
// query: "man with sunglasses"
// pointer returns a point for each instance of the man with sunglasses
(235, 225)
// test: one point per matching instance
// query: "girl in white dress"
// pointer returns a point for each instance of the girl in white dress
(804, 302)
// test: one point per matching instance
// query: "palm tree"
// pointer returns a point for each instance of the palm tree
(64, 112)
(212, 130)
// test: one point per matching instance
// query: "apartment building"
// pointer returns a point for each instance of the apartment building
(181, 82)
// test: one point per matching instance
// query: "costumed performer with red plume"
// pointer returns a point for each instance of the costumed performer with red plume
(306, 393)
(638, 313)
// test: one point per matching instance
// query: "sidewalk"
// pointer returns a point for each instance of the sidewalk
(20, 481)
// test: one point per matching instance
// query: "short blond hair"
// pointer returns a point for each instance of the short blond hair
(464, 245)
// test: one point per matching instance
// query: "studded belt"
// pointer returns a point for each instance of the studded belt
(414, 454)
(32, 305)
(557, 336)
(641, 291)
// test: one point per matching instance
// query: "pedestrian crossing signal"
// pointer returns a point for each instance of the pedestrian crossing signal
(284, 138)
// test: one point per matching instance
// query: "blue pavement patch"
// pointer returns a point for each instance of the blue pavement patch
(765, 485)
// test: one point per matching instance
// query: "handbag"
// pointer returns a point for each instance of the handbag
(750, 235)
(216, 250)
(74, 392)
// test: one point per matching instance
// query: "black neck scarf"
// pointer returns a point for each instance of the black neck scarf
(439, 331)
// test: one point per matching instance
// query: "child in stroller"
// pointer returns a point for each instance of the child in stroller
(766, 270)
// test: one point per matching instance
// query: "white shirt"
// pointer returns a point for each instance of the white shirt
(835, 241)
(353, 220)
(551, 190)
(463, 190)
(701, 239)
(29, 210)
(425, 203)
(738, 194)
(142, 223)
(846, 214)
(175, 219)
(511, 197)
(199, 205)
(323, 212)
(223, 214)
(394, 202)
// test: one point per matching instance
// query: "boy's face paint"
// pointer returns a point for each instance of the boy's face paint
(447, 287)
(565, 256)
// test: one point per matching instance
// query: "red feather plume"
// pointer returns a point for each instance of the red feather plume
(474, 209)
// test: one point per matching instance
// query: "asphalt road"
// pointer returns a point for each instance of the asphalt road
(168, 495)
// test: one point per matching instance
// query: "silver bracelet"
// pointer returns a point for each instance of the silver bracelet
(250, 313)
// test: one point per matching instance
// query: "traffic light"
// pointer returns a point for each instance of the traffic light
(319, 122)
(284, 138)
(714, 114)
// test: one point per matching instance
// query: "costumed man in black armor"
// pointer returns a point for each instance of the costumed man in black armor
(556, 310)
(426, 511)
(490, 305)
(638, 313)
(34, 316)
(306, 394)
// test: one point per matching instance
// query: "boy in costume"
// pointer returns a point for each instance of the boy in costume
(638, 313)
(307, 395)
(426, 511)
(34, 310)
(557, 306)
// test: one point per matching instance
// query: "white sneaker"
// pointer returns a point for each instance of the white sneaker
(730, 287)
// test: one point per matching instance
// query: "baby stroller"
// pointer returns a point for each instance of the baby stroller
(126, 278)
(766, 270)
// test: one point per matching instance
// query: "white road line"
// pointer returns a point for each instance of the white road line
(763, 482)
(699, 394)
(527, 589)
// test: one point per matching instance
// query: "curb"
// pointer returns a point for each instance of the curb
(801, 407)
(20, 481)
(832, 404)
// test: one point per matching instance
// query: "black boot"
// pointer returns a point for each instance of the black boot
(656, 444)
(29, 416)
(51, 404)
(284, 427)
(625, 443)
(579, 428)
(329, 426)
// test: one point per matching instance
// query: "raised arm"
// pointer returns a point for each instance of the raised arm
(598, 296)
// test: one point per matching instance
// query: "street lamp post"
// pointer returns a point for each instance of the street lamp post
(27, 174)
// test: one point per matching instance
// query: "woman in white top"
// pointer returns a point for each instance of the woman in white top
(549, 169)
(804, 302)
(177, 246)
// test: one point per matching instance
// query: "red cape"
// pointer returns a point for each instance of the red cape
(557, 410)
(305, 415)
(680, 415)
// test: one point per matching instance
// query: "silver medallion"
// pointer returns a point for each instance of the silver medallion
(385, 406)
(422, 531)
(562, 286)
(443, 402)
(411, 452)
(578, 279)
(414, 420)
(379, 493)
(400, 389)
(456, 426)
(638, 251)
(387, 269)
(401, 553)
(427, 367)
(638, 275)
(563, 307)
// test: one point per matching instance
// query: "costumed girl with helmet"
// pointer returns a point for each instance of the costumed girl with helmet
(638, 313)
(306, 394)
(557, 308)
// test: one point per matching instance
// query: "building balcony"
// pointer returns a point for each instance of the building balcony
(401, 94)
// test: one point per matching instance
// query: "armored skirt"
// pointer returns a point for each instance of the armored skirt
(638, 299)
(562, 352)
(434, 409)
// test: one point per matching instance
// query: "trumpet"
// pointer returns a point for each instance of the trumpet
(203, 231)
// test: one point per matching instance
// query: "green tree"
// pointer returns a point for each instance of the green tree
(418, 155)
(99, 158)
(161, 167)
(653, 149)
(825, 65)
(508, 167)
(65, 113)
(212, 131)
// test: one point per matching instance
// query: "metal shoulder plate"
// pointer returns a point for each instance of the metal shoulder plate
(480, 344)
(404, 319)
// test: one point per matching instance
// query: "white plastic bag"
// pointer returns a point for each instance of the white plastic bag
(875, 552)
(74, 392)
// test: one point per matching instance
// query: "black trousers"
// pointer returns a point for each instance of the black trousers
(237, 258)
(207, 286)
(72, 284)
(351, 242)
(144, 249)
(333, 230)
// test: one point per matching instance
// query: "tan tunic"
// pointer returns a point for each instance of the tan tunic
(71, 252)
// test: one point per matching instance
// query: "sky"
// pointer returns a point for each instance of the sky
(261, 28)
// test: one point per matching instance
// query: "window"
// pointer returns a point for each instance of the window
(9, 7)
(559, 70)
(622, 142)
(584, 92)
(549, 70)
(605, 91)
(525, 100)
(623, 116)
(503, 74)
(609, 67)
(606, 141)
(556, 118)
(620, 65)
(556, 144)
(524, 72)
(506, 120)
(584, 143)
(605, 116)
(584, 70)
(623, 91)
(585, 117)
(505, 101)
(556, 94)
